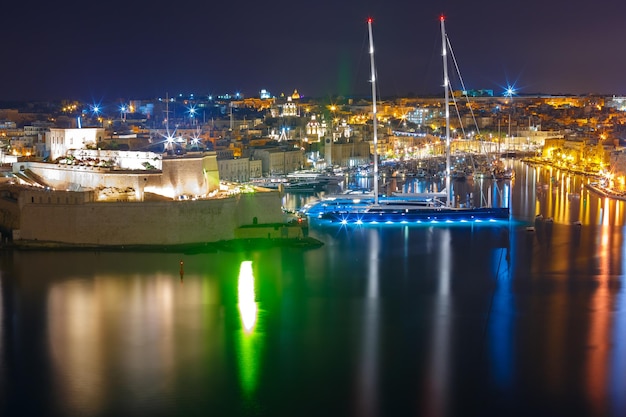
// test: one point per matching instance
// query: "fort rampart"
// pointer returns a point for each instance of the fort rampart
(79, 220)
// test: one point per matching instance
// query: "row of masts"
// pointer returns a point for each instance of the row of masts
(444, 54)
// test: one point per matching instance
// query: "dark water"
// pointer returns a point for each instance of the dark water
(429, 320)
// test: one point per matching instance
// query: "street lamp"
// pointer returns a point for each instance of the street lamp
(510, 90)
(191, 110)
(123, 111)
(96, 111)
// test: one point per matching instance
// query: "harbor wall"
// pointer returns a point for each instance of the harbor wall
(144, 223)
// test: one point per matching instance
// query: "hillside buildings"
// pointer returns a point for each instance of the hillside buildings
(254, 137)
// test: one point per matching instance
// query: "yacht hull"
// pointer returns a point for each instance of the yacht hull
(407, 215)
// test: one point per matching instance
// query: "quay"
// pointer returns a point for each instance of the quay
(606, 192)
(47, 219)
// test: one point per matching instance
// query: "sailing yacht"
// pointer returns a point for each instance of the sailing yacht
(418, 209)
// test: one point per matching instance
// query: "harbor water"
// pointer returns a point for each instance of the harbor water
(519, 318)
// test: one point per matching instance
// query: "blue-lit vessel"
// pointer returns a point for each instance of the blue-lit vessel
(413, 213)
(359, 201)
(434, 207)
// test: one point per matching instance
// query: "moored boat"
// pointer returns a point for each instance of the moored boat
(410, 210)
(359, 201)
(416, 213)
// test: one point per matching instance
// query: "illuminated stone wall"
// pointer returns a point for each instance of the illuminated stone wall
(39, 196)
(145, 223)
(183, 176)
(189, 175)
(9, 210)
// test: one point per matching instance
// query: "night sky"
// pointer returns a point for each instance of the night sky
(137, 49)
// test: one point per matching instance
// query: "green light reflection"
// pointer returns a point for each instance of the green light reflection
(249, 341)
(247, 304)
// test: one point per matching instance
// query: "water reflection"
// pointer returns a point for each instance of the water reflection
(437, 396)
(249, 341)
(368, 376)
(599, 330)
(500, 317)
(565, 198)
(113, 333)
(424, 320)
(616, 380)
(246, 297)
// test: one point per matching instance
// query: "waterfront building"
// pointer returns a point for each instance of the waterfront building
(593, 157)
(346, 154)
(278, 161)
(535, 137)
(240, 169)
(618, 166)
(60, 141)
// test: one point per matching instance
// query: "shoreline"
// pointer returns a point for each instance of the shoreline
(605, 192)
(233, 245)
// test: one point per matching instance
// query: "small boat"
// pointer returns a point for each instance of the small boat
(312, 175)
(272, 182)
(304, 185)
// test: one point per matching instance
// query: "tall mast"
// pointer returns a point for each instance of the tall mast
(446, 82)
(375, 119)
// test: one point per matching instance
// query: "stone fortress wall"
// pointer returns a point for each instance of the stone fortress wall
(77, 222)
(81, 203)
